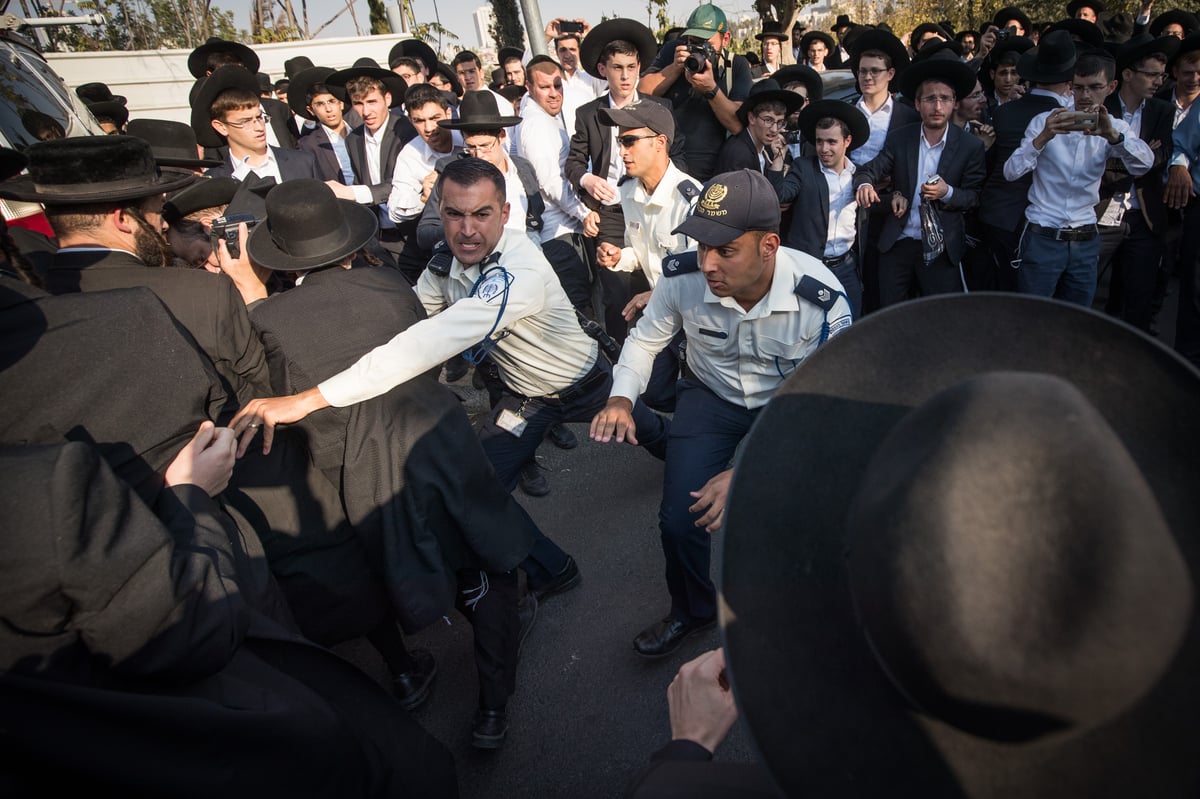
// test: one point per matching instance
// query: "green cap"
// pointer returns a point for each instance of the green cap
(705, 21)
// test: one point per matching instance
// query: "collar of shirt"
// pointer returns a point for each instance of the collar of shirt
(925, 145)
(537, 112)
(662, 194)
(849, 167)
(886, 108)
(460, 272)
(1061, 99)
(377, 137)
(612, 103)
(89, 248)
(242, 166)
(333, 134)
(779, 297)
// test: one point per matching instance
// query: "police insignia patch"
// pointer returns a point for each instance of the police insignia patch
(493, 287)
(680, 264)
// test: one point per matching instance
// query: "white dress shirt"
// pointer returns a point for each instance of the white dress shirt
(649, 220)
(414, 163)
(843, 210)
(879, 121)
(1127, 200)
(374, 148)
(545, 140)
(544, 351)
(929, 156)
(267, 168)
(742, 356)
(1067, 173)
(579, 89)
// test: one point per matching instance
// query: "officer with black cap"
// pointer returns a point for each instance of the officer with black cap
(752, 311)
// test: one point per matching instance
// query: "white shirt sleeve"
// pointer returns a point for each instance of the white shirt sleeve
(404, 201)
(660, 322)
(540, 145)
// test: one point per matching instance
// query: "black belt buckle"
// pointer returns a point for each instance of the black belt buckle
(837, 260)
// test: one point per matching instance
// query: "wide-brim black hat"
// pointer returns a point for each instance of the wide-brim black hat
(206, 192)
(98, 93)
(811, 36)
(768, 91)
(110, 109)
(11, 163)
(1021, 44)
(884, 42)
(456, 87)
(1012, 13)
(793, 633)
(772, 29)
(928, 27)
(367, 68)
(505, 54)
(308, 227)
(294, 66)
(205, 92)
(1190, 44)
(1075, 5)
(198, 58)
(1052, 61)
(802, 73)
(842, 21)
(479, 111)
(855, 119)
(173, 143)
(620, 29)
(1080, 29)
(297, 96)
(1176, 16)
(942, 65)
(413, 48)
(1144, 45)
(92, 169)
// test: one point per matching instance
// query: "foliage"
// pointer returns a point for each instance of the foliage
(783, 12)
(139, 24)
(506, 26)
(430, 32)
(660, 11)
(379, 20)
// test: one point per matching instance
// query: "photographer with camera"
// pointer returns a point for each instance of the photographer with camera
(705, 83)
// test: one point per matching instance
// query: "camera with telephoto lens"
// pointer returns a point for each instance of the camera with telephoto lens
(699, 57)
(226, 227)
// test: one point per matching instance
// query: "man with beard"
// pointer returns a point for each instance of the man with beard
(104, 199)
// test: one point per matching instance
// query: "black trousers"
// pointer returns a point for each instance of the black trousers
(1133, 255)
(903, 274)
(489, 601)
(570, 263)
(1187, 321)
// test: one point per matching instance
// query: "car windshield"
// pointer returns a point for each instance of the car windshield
(33, 102)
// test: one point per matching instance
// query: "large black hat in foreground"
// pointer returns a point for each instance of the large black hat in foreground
(308, 227)
(960, 559)
(92, 169)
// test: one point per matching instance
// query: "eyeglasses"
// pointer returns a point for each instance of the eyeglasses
(938, 99)
(262, 119)
(873, 73)
(629, 140)
(770, 123)
(479, 149)
(1151, 75)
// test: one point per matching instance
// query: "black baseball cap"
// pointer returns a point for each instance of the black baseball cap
(642, 114)
(730, 205)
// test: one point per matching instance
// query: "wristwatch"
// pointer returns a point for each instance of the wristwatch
(711, 93)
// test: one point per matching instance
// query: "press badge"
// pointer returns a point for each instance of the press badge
(511, 422)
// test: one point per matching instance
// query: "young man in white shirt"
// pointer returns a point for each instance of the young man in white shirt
(1060, 249)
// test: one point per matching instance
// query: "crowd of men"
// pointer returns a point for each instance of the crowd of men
(647, 236)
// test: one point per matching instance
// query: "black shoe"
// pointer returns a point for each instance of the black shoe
(412, 687)
(662, 638)
(565, 580)
(532, 481)
(527, 612)
(489, 730)
(561, 436)
(456, 369)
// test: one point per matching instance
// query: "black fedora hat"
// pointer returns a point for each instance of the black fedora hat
(1117, 27)
(446, 72)
(620, 29)
(308, 227)
(842, 21)
(884, 42)
(1095, 5)
(198, 59)
(942, 65)
(1176, 16)
(1190, 44)
(506, 54)
(265, 86)
(1081, 30)
(814, 35)
(936, 46)
(297, 96)
(1004, 15)
(855, 119)
(1081, 717)
(413, 48)
(98, 93)
(173, 143)
(110, 109)
(205, 92)
(1052, 61)
(768, 91)
(1020, 44)
(11, 163)
(205, 193)
(1145, 45)
(479, 111)
(773, 29)
(294, 66)
(926, 28)
(368, 68)
(92, 169)
(801, 73)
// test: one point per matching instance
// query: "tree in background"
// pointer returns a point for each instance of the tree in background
(658, 17)
(506, 26)
(782, 11)
(139, 25)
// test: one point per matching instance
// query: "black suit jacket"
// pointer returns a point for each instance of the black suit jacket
(738, 152)
(317, 142)
(395, 137)
(1004, 201)
(293, 164)
(208, 307)
(962, 166)
(805, 188)
(420, 514)
(1158, 120)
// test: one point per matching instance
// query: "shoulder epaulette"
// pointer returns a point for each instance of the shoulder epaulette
(817, 293)
(439, 264)
(688, 189)
(680, 264)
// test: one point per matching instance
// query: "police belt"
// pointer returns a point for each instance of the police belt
(1082, 233)
(579, 388)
